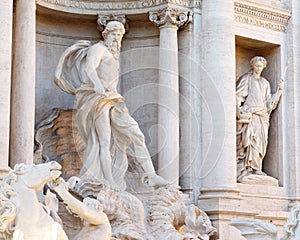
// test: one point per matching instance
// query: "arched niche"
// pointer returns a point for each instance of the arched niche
(246, 49)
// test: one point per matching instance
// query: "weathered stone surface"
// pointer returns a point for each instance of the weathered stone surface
(215, 50)
(162, 213)
(57, 139)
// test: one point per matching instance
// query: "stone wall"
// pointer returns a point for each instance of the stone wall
(139, 66)
(54, 35)
(213, 52)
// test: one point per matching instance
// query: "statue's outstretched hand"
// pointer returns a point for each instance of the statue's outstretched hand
(58, 185)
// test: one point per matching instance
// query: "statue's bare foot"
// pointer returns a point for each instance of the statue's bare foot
(154, 180)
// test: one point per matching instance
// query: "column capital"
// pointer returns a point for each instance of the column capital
(171, 17)
(104, 19)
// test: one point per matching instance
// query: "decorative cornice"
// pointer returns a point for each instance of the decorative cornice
(262, 16)
(104, 19)
(170, 16)
(98, 6)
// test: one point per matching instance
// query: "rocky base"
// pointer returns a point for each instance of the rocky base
(161, 213)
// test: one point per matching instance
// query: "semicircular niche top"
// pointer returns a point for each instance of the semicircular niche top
(94, 7)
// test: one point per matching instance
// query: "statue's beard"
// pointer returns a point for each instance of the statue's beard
(114, 47)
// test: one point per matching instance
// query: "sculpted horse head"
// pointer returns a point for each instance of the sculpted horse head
(20, 210)
(33, 176)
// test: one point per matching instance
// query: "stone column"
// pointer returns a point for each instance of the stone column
(6, 12)
(218, 194)
(168, 20)
(23, 84)
(218, 92)
(189, 102)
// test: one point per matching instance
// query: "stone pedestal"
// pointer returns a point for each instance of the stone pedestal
(266, 203)
(6, 12)
(23, 84)
(169, 21)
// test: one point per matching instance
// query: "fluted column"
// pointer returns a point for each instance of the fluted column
(6, 12)
(168, 20)
(218, 91)
(23, 84)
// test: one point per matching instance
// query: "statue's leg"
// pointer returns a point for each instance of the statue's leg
(127, 126)
(103, 129)
(259, 143)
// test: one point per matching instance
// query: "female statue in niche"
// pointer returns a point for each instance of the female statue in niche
(254, 104)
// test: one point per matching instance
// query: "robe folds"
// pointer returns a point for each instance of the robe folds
(253, 96)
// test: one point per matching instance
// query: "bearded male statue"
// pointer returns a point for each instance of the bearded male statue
(91, 72)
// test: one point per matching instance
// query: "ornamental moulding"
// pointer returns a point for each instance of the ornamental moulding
(95, 7)
(261, 16)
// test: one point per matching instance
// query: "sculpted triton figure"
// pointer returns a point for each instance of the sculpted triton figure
(91, 72)
(95, 221)
(254, 104)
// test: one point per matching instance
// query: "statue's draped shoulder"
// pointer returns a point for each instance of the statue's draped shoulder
(70, 71)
